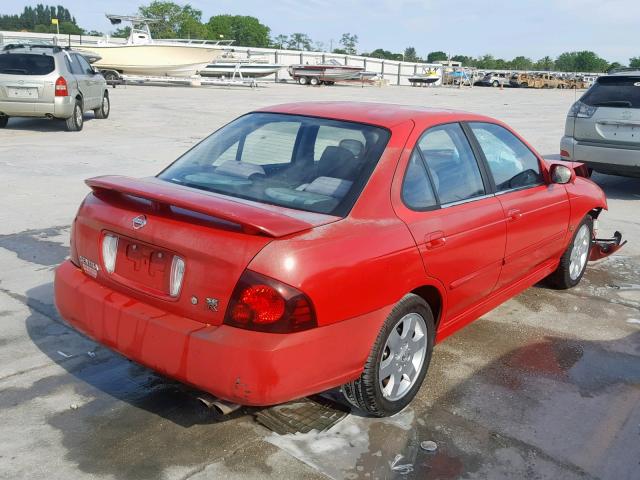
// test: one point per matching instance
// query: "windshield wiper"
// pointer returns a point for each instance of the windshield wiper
(614, 103)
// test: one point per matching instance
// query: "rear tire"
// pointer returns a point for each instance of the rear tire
(398, 361)
(102, 112)
(573, 262)
(76, 121)
(3, 121)
(314, 81)
(303, 80)
(496, 83)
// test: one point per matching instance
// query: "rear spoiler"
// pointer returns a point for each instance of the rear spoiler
(253, 218)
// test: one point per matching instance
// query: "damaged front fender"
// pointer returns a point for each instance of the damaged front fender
(603, 247)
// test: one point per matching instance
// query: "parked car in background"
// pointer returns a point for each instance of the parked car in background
(603, 127)
(495, 79)
(308, 246)
(537, 80)
(48, 81)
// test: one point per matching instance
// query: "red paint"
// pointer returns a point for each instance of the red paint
(474, 255)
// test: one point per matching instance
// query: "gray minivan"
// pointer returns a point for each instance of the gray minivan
(52, 82)
(603, 127)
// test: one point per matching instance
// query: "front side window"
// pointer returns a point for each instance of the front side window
(511, 162)
(26, 64)
(306, 163)
(453, 167)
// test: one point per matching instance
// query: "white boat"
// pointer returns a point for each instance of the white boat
(230, 66)
(142, 55)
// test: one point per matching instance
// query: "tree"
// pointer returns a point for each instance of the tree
(349, 43)
(464, 60)
(385, 54)
(486, 62)
(299, 41)
(521, 63)
(634, 62)
(410, 55)
(280, 41)
(436, 56)
(613, 66)
(545, 63)
(584, 61)
(123, 32)
(168, 16)
(245, 30)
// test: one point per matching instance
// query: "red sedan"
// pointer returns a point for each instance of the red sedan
(308, 246)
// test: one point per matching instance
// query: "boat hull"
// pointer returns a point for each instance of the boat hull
(154, 59)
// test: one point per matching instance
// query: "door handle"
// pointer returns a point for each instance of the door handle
(435, 240)
(514, 214)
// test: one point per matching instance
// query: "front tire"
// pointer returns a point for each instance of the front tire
(76, 121)
(102, 112)
(573, 262)
(3, 121)
(303, 80)
(398, 361)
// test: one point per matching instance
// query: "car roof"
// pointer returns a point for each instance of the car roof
(35, 49)
(382, 114)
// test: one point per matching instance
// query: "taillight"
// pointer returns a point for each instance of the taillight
(177, 274)
(565, 154)
(109, 252)
(267, 305)
(73, 251)
(61, 87)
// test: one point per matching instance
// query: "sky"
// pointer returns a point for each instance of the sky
(533, 28)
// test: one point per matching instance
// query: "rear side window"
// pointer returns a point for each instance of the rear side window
(512, 164)
(417, 193)
(453, 167)
(615, 92)
(73, 64)
(26, 64)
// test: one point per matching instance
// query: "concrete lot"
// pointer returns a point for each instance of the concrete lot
(545, 386)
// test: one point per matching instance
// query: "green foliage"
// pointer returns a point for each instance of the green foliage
(385, 54)
(634, 62)
(299, 41)
(246, 31)
(123, 32)
(435, 56)
(349, 42)
(584, 61)
(38, 19)
(410, 55)
(173, 20)
(280, 41)
(545, 63)
(466, 61)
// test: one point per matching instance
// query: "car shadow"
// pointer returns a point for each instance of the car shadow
(41, 124)
(133, 423)
(618, 188)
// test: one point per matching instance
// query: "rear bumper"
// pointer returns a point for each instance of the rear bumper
(61, 107)
(249, 368)
(605, 158)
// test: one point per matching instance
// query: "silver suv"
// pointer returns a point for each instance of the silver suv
(49, 81)
(603, 127)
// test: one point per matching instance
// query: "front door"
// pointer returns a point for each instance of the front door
(456, 222)
(537, 213)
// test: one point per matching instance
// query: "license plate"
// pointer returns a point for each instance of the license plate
(22, 92)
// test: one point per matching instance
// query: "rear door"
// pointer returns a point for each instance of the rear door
(457, 223)
(83, 79)
(26, 80)
(616, 119)
(537, 213)
(94, 82)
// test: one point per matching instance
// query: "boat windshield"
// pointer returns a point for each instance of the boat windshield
(305, 163)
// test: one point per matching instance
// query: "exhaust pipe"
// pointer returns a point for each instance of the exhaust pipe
(221, 406)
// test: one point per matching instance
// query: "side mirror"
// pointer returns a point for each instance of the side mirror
(561, 174)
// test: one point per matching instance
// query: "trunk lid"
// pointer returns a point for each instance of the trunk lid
(156, 221)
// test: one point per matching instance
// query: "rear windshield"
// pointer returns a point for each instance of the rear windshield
(616, 92)
(26, 64)
(306, 163)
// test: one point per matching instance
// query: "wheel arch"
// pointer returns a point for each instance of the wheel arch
(434, 299)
